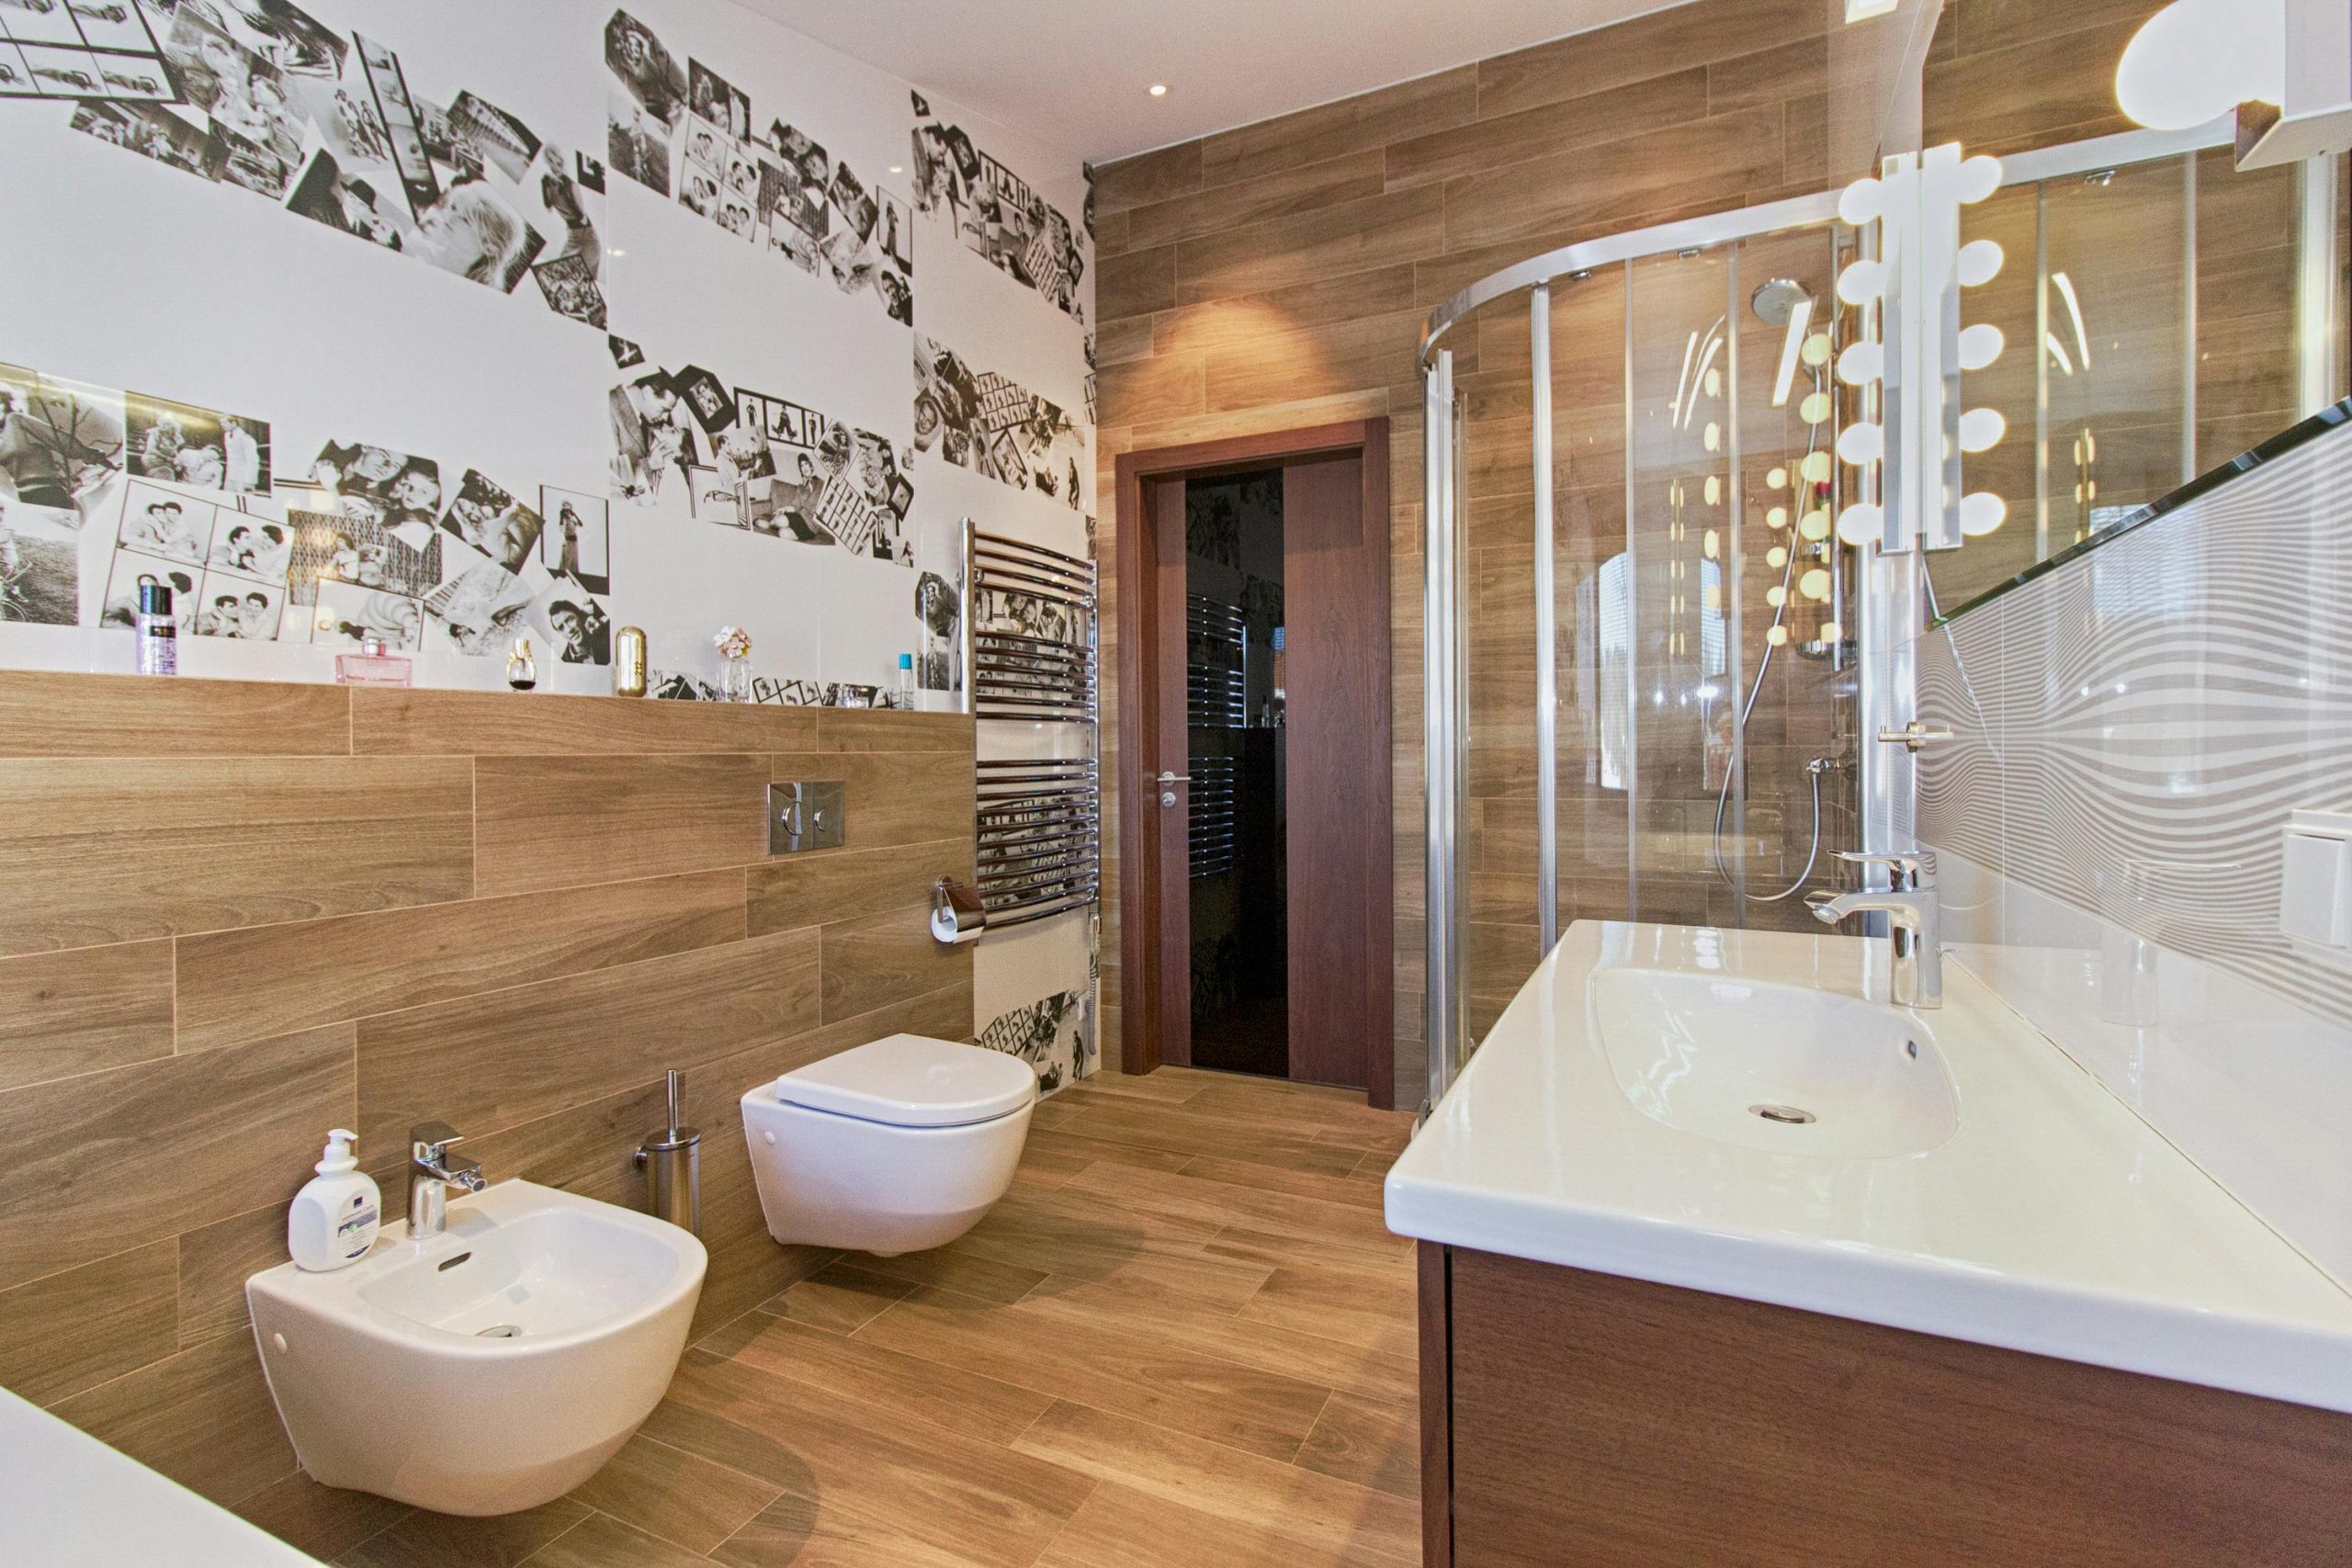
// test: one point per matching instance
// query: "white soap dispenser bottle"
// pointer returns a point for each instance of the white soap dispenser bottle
(335, 1217)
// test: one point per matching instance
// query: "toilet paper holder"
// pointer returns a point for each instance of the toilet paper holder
(958, 913)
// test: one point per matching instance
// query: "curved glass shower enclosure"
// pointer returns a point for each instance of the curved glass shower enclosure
(1653, 672)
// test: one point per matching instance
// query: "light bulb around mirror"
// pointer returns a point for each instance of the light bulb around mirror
(1862, 202)
(1714, 491)
(1777, 557)
(1979, 177)
(1980, 262)
(1861, 443)
(1777, 518)
(1861, 522)
(1713, 439)
(1815, 409)
(1818, 467)
(1981, 430)
(1982, 513)
(1861, 363)
(1776, 478)
(1980, 345)
(1831, 631)
(1777, 636)
(1861, 282)
(1776, 596)
(1814, 585)
(1815, 526)
(1816, 349)
(1711, 545)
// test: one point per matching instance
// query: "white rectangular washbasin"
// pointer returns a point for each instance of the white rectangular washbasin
(1985, 1188)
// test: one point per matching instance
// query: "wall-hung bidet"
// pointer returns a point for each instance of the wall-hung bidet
(889, 1147)
(486, 1369)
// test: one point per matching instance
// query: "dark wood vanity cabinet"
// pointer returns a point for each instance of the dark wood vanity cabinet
(1573, 1418)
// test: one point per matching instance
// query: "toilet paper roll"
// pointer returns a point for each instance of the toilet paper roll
(957, 915)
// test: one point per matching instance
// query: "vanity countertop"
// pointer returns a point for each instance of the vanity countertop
(2047, 1218)
(69, 1501)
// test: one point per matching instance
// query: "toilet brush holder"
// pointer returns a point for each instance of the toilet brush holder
(672, 1161)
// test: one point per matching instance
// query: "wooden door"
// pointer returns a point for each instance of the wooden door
(1335, 593)
(1163, 810)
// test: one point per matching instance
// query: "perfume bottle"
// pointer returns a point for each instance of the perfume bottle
(628, 662)
(157, 631)
(522, 669)
(371, 666)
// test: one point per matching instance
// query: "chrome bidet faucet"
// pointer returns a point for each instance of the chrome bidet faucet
(1914, 923)
(430, 1174)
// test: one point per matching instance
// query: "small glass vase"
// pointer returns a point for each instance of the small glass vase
(735, 679)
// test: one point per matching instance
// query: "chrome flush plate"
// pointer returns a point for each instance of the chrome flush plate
(805, 816)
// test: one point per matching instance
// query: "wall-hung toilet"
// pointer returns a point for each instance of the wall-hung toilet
(894, 1147)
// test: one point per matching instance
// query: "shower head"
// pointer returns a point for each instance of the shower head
(1776, 301)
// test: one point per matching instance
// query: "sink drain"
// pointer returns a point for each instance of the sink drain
(508, 1330)
(1788, 1114)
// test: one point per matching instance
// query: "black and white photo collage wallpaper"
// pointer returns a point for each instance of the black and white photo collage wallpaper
(353, 533)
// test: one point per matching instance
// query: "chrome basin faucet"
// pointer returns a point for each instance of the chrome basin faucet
(430, 1174)
(1914, 921)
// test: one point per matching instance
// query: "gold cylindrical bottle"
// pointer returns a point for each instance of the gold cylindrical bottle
(629, 663)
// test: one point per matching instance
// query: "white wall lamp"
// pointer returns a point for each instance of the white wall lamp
(1911, 291)
(2283, 67)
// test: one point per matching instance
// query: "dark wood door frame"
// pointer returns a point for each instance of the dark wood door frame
(1151, 625)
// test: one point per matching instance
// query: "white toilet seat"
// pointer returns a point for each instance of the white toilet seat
(899, 1145)
(912, 1081)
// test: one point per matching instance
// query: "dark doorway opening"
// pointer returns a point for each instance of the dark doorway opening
(1254, 865)
(1238, 828)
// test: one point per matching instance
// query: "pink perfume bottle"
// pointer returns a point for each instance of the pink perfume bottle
(371, 666)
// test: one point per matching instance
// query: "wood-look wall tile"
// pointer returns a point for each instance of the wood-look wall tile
(1129, 337)
(1283, 193)
(1610, 56)
(1147, 178)
(877, 960)
(511, 724)
(1551, 130)
(1164, 386)
(98, 851)
(2040, 91)
(1976, 27)
(325, 1521)
(1317, 362)
(202, 1417)
(1134, 283)
(1352, 125)
(887, 729)
(91, 1325)
(549, 822)
(1794, 70)
(482, 1063)
(840, 885)
(587, 1149)
(46, 714)
(1229, 323)
(889, 797)
(83, 1011)
(1354, 236)
(1713, 160)
(1110, 235)
(270, 979)
(109, 1161)
(216, 1259)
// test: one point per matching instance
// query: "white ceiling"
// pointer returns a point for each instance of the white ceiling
(1074, 73)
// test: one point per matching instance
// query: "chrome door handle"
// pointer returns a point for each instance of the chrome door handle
(1913, 737)
(1175, 778)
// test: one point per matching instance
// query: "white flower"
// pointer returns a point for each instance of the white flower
(732, 642)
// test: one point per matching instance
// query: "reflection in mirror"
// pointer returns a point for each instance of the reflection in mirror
(2175, 313)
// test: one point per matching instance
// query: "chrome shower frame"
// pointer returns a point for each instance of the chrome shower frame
(1890, 612)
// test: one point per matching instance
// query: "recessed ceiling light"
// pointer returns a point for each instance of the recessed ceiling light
(1159, 89)
(897, 168)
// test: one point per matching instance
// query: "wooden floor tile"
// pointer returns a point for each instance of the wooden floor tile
(599, 1541)
(672, 1494)
(446, 1540)
(959, 1394)
(839, 1297)
(1358, 1189)
(1320, 1513)
(1372, 1442)
(1108, 1367)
